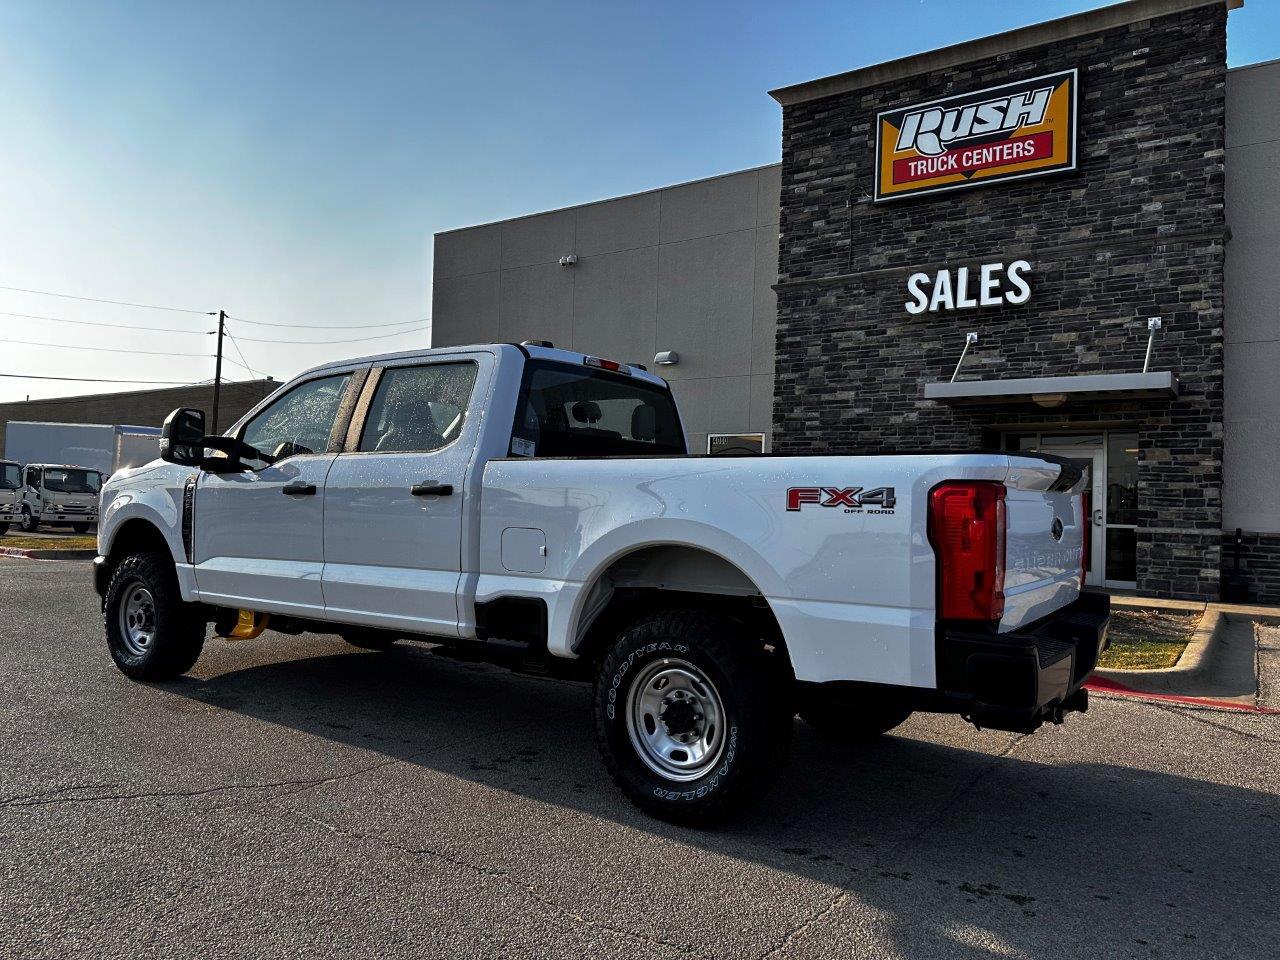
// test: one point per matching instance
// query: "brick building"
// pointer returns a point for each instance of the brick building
(1051, 190)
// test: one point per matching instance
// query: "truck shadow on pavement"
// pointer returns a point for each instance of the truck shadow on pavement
(942, 839)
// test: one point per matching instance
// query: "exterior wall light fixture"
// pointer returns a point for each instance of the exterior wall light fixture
(666, 358)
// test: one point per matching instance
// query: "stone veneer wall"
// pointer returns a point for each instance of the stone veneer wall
(1137, 230)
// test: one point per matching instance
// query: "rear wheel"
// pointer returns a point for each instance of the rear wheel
(853, 720)
(370, 639)
(151, 633)
(80, 527)
(693, 718)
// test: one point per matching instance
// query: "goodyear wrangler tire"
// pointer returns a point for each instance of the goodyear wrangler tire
(151, 633)
(691, 718)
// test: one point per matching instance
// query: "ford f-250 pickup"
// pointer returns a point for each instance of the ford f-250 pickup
(522, 498)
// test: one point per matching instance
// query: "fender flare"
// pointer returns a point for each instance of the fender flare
(649, 532)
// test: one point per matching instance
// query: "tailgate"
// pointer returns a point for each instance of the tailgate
(1044, 544)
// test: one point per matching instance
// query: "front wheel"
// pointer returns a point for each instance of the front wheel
(151, 633)
(692, 717)
(28, 521)
(4, 528)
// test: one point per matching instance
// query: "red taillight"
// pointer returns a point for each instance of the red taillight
(604, 364)
(967, 530)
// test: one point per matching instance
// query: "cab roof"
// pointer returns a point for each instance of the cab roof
(529, 350)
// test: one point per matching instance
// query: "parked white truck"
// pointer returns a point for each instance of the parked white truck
(521, 498)
(59, 494)
(10, 494)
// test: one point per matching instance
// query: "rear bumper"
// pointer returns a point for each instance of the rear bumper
(1017, 681)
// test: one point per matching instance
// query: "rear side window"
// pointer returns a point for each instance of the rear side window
(567, 411)
(418, 408)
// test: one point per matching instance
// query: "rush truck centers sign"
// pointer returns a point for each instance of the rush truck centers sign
(1022, 129)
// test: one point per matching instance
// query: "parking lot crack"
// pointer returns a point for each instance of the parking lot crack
(505, 877)
(58, 796)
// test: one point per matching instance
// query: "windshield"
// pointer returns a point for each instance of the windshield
(10, 476)
(568, 411)
(58, 480)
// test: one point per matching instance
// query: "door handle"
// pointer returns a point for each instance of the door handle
(1097, 518)
(431, 489)
(299, 489)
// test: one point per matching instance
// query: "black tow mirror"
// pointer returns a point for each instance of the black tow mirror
(182, 437)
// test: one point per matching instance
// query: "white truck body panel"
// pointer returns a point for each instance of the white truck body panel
(853, 590)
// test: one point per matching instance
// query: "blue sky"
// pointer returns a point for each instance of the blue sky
(291, 161)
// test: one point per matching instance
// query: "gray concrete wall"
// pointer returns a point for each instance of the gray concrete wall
(1252, 332)
(688, 268)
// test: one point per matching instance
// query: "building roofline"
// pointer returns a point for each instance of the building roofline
(624, 196)
(124, 394)
(1050, 31)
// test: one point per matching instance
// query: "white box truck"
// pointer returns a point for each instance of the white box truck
(104, 447)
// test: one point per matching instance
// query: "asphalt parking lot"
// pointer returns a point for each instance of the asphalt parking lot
(297, 797)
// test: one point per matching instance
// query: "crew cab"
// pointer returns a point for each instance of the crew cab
(10, 494)
(59, 494)
(539, 506)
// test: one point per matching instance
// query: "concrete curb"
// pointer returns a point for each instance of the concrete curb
(41, 554)
(1218, 661)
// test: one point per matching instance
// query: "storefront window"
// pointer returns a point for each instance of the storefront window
(1122, 478)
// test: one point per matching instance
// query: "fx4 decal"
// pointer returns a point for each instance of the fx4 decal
(851, 499)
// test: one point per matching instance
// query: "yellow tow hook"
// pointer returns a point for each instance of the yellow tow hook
(247, 625)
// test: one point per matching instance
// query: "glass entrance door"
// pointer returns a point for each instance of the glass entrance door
(1111, 457)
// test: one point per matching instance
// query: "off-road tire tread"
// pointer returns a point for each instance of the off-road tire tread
(180, 633)
(762, 682)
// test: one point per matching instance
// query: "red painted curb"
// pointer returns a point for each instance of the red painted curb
(1107, 685)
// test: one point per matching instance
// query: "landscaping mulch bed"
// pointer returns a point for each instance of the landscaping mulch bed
(22, 541)
(1147, 639)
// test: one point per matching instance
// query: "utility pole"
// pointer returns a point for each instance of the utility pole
(217, 371)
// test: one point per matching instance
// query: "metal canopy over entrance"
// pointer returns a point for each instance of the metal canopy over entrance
(1051, 391)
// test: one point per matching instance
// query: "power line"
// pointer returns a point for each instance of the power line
(118, 303)
(37, 376)
(72, 346)
(312, 326)
(113, 326)
(321, 343)
(240, 353)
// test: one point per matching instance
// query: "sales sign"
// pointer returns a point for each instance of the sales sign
(1022, 129)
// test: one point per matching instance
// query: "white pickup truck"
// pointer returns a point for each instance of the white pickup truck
(537, 504)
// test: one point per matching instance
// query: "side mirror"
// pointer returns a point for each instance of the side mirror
(182, 437)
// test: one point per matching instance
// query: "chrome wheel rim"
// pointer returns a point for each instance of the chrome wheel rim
(138, 620)
(676, 720)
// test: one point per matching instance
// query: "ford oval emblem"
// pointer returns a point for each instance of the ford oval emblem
(1056, 529)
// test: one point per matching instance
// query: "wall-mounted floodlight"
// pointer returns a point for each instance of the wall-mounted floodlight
(569, 261)
(1153, 324)
(666, 358)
